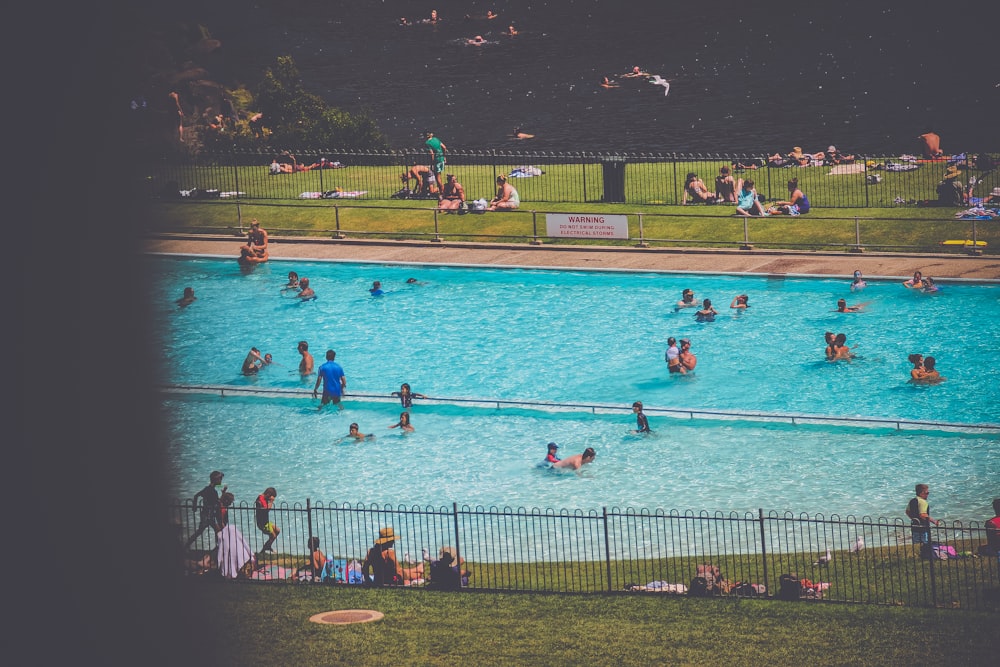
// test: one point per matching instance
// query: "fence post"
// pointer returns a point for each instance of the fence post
(458, 546)
(763, 543)
(642, 242)
(239, 216)
(857, 236)
(607, 547)
(746, 234)
(236, 183)
(534, 228)
(437, 236)
(974, 250)
(309, 520)
(336, 217)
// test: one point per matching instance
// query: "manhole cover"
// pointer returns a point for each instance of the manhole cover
(347, 616)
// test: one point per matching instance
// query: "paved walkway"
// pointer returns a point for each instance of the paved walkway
(768, 262)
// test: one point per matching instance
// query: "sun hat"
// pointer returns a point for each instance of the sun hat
(450, 551)
(951, 172)
(385, 535)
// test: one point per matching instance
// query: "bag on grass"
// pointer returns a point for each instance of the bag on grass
(789, 587)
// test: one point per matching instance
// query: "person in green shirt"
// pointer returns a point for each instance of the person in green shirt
(437, 149)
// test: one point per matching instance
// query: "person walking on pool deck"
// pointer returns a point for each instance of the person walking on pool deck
(263, 506)
(641, 423)
(333, 379)
(577, 461)
(211, 515)
(919, 512)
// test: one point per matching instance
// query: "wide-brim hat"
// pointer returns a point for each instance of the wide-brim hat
(450, 551)
(952, 172)
(386, 535)
(797, 150)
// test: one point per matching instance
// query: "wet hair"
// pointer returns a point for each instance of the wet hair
(330, 355)
(188, 291)
(589, 453)
(405, 386)
(707, 303)
(637, 404)
(840, 339)
(671, 341)
(303, 345)
(404, 417)
(828, 336)
(914, 358)
(929, 363)
(841, 301)
(354, 426)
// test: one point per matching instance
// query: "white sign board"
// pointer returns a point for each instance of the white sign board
(586, 226)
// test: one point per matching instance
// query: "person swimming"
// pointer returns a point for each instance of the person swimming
(376, 289)
(687, 300)
(916, 282)
(858, 283)
(707, 312)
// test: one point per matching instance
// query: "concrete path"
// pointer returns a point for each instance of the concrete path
(769, 262)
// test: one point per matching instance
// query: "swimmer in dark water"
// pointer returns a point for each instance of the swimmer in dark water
(635, 73)
(518, 134)
(406, 396)
(476, 41)
(641, 423)
(609, 83)
(511, 30)
(707, 312)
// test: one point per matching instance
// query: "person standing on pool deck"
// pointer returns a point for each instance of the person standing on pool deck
(919, 512)
(306, 365)
(437, 150)
(333, 379)
(577, 460)
(641, 423)
(264, 504)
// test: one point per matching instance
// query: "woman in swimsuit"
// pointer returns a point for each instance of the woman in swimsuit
(797, 203)
(696, 190)
(725, 186)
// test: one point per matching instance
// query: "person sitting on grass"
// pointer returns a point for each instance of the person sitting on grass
(696, 190)
(506, 198)
(747, 202)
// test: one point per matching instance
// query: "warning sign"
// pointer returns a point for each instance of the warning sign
(584, 226)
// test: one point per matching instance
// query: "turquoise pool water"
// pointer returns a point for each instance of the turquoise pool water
(580, 337)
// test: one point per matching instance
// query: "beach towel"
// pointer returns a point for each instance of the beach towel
(525, 172)
(895, 166)
(234, 552)
(854, 168)
(271, 573)
(342, 194)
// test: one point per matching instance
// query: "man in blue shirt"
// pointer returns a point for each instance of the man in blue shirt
(333, 379)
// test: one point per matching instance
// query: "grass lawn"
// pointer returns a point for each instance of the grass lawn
(268, 625)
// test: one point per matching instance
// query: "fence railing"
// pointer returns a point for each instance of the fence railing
(855, 234)
(865, 561)
(641, 179)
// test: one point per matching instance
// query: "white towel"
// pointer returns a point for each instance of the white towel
(234, 552)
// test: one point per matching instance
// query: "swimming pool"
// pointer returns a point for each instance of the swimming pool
(577, 336)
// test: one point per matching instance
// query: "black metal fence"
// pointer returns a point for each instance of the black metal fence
(640, 179)
(866, 561)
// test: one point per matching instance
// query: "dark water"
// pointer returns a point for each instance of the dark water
(743, 78)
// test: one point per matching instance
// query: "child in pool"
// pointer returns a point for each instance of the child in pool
(858, 283)
(404, 422)
(406, 396)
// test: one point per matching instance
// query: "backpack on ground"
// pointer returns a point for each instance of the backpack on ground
(789, 587)
(698, 588)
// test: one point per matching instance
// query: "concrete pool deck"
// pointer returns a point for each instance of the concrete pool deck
(767, 262)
